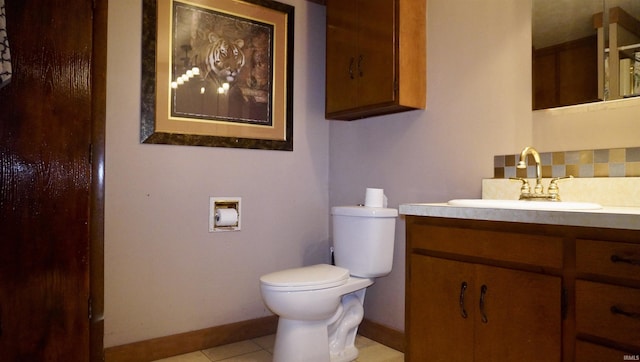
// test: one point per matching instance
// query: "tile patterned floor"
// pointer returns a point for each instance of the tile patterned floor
(260, 350)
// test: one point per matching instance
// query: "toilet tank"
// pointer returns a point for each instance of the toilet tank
(363, 239)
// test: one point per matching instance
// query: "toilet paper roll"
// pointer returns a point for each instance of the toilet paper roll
(375, 198)
(226, 217)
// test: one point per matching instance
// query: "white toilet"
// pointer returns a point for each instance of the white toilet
(321, 306)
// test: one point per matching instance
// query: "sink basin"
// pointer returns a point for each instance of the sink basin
(525, 204)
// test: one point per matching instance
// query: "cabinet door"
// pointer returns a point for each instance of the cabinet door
(376, 56)
(520, 316)
(510, 314)
(341, 52)
(437, 329)
(361, 52)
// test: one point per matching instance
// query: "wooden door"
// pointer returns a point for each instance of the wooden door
(522, 313)
(438, 329)
(377, 47)
(566, 74)
(361, 50)
(48, 112)
(578, 72)
(341, 55)
(510, 315)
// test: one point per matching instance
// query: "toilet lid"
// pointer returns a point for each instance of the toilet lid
(318, 276)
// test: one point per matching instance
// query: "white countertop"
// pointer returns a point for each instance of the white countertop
(607, 217)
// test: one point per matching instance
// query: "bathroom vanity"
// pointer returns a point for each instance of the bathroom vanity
(498, 284)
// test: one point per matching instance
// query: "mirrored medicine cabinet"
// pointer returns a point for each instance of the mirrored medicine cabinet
(585, 51)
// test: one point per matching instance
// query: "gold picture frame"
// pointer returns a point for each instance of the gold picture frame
(217, 73)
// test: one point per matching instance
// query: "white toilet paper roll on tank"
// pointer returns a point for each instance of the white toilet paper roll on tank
(375, 198)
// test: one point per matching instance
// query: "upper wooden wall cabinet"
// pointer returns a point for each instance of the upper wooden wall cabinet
(376, 57)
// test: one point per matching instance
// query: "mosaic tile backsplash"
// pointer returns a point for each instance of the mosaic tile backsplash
(614, 162)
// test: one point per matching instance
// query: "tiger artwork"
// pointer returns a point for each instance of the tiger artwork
(221, 60)
(257, 82)
(217, 46)
(234, 59)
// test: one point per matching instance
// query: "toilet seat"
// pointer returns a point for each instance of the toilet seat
(319, 276)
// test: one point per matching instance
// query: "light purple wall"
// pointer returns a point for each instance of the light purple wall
(164, 272)
(478, 105)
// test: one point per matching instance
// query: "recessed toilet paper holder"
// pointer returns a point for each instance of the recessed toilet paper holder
(224, 214)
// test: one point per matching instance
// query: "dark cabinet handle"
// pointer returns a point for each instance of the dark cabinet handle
(360, 72)
(483, 292)
(351, 61)
(619, 259)
(463, 288)
(616, 310)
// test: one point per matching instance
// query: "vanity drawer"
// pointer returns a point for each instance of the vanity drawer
(539, 250)
(607, 258)
(595, 314)
(586, 351)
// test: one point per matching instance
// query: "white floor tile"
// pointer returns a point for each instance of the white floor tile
(379, 353)
(261, 350)
(189, 357)
(231, 350)
(260, 356)
(363, 342)
(266, 342)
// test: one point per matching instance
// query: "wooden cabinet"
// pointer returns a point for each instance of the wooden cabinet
(469, 304)
(608, 295)
(434, 313)
(375, 57)
(466, 308)
(566, 74)
(503, 291)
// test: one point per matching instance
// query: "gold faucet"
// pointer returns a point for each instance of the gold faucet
(552, 194)
(523, 164)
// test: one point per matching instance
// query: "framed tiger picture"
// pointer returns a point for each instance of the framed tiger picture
(217, 73)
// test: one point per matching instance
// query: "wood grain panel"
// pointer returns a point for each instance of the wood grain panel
(595, 258)
(594, 315)
(45, 177)
(586, 351)
(520, 248)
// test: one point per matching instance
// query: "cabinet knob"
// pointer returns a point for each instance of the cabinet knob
(360, 72)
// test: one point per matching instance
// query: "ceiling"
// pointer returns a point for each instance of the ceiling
(559, 21)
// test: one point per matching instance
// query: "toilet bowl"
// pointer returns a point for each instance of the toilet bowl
(310, 313)
(321, 306)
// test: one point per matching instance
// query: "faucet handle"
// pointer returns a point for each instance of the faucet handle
(525, 189)
(553, 185)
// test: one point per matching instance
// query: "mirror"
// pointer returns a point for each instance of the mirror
(572, 61)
